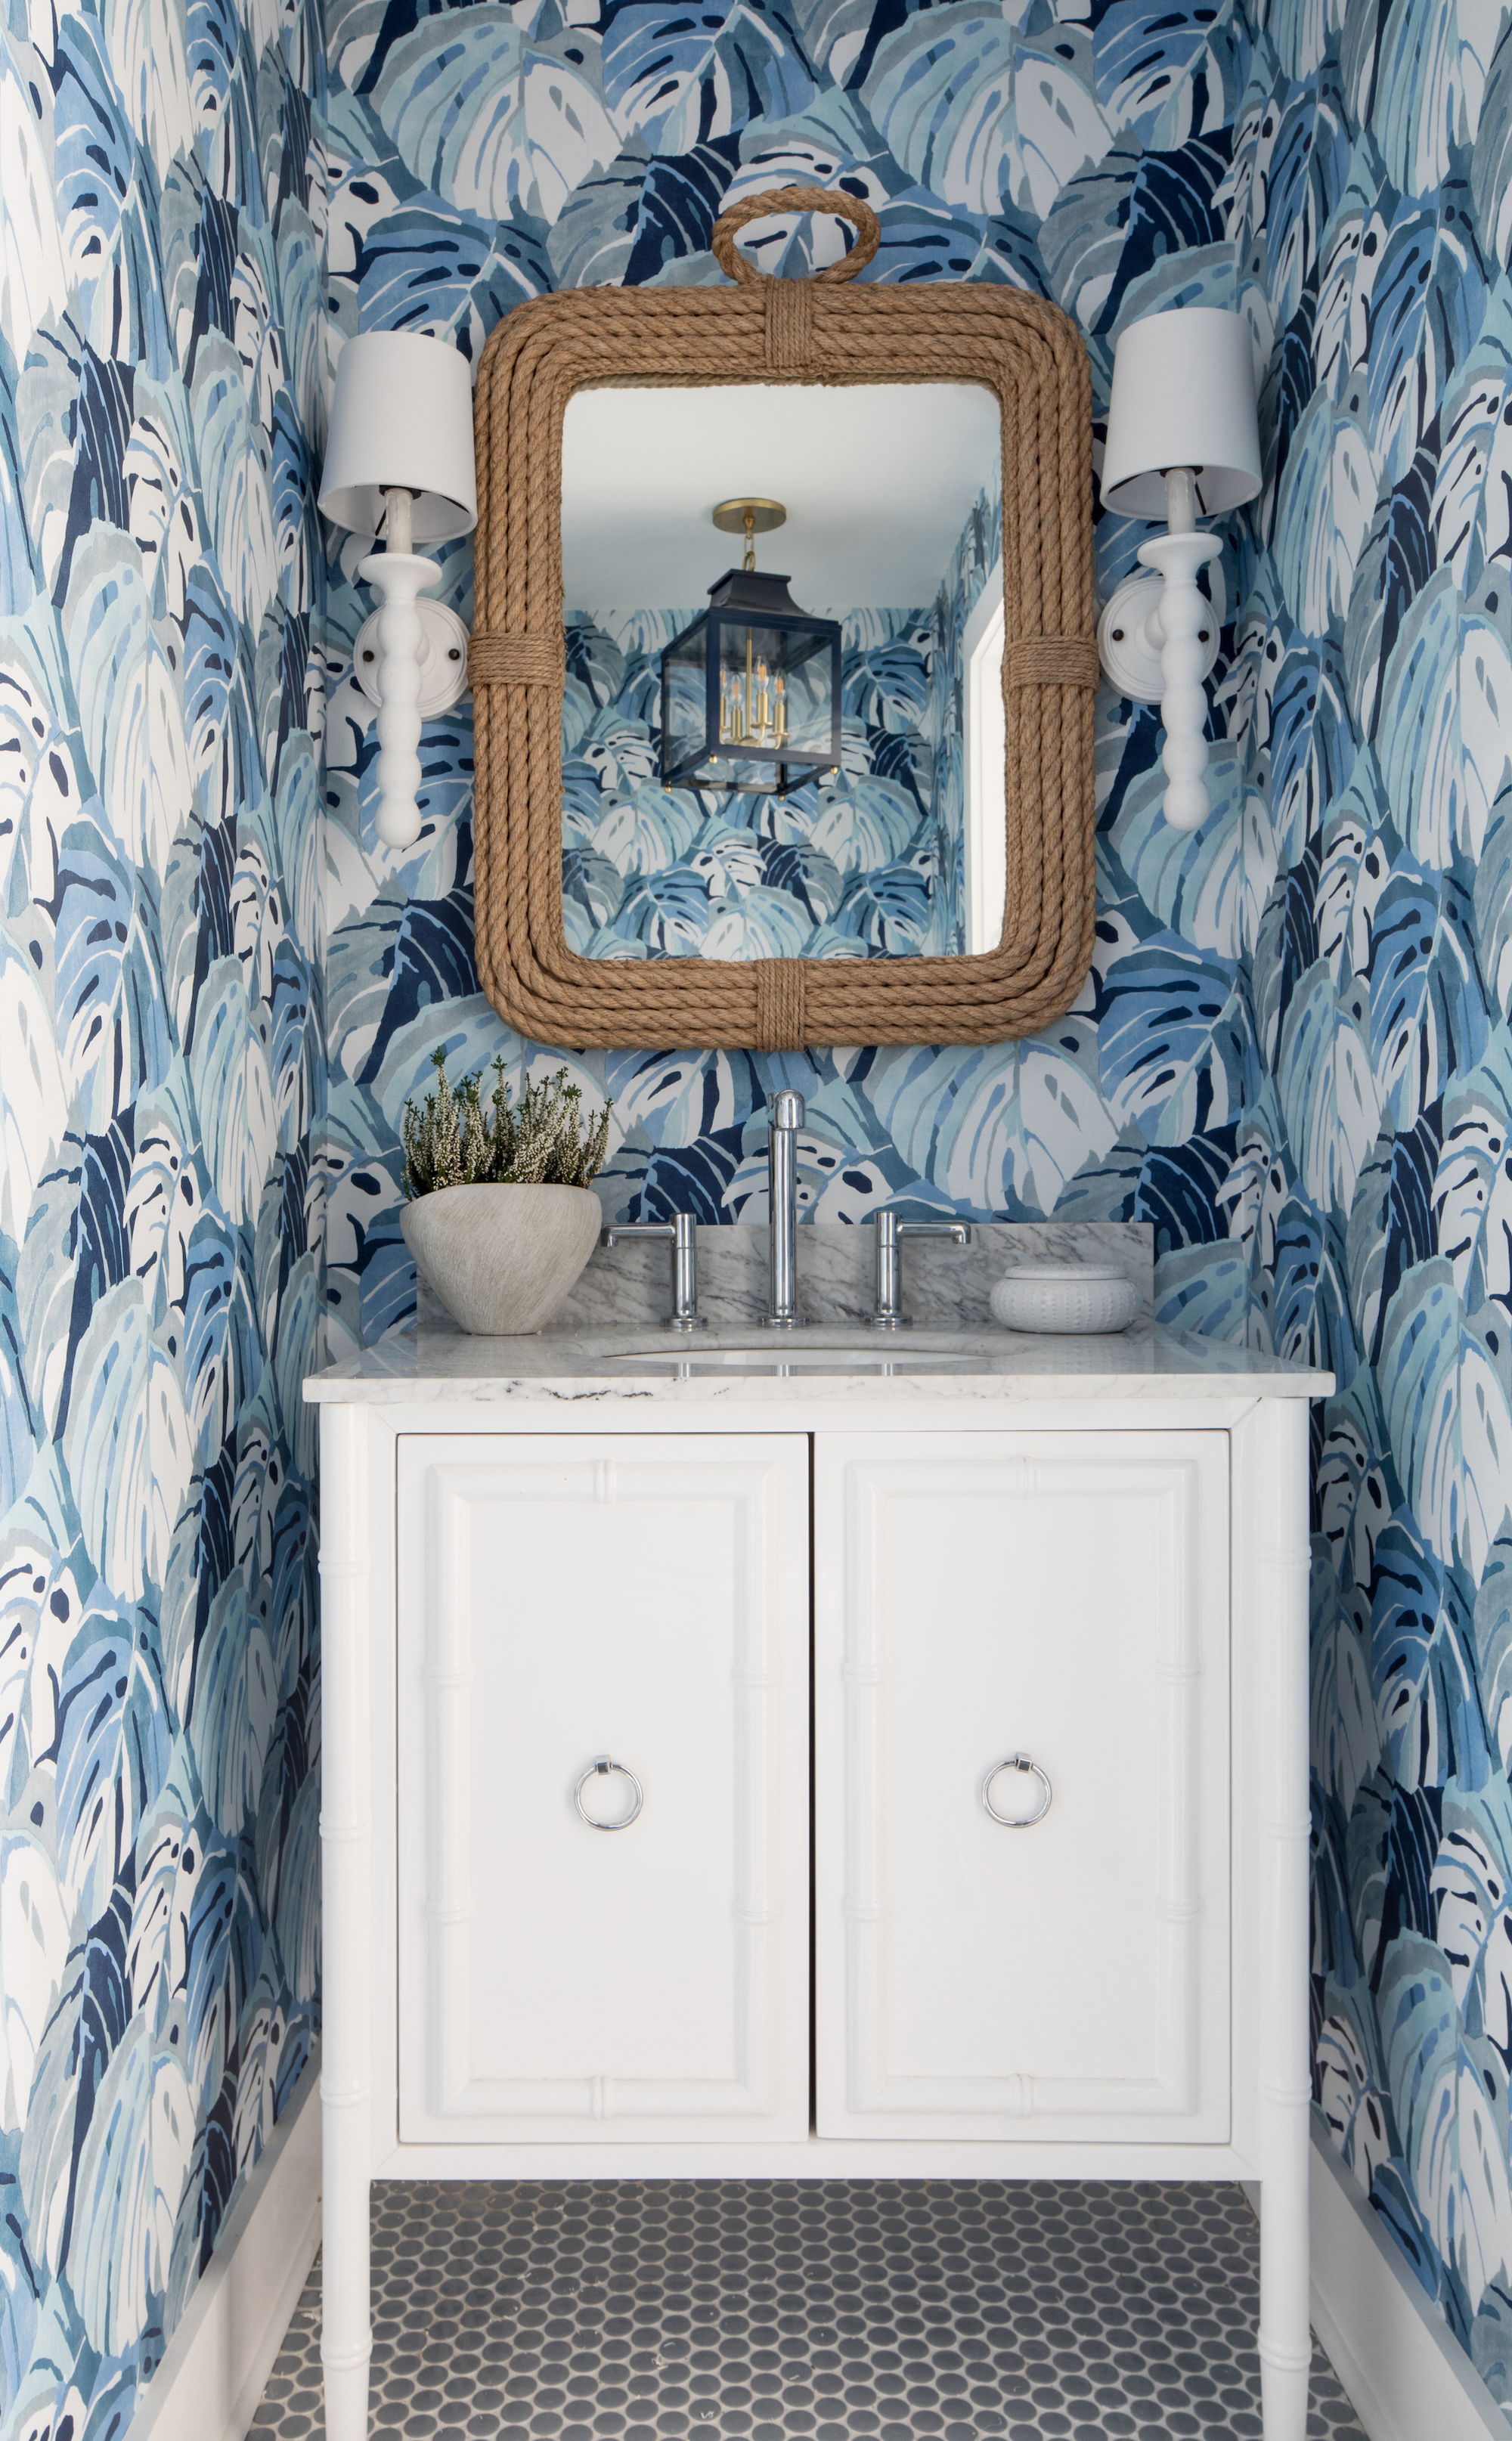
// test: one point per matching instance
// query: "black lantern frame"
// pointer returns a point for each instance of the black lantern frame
(743, 600)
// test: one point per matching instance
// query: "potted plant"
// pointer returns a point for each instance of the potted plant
(498, 1213)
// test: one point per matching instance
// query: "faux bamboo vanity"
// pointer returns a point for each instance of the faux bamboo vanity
(951, 1702)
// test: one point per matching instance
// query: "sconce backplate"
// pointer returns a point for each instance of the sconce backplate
(1128, 639)
(442, 658)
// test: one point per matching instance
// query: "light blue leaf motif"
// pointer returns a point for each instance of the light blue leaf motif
(980, 117)
(113, 1747)
(1204, 1290)
(104, 212)
(1446, 702)
(1193, 881)
(1471, 511)
(1170, 1049)
(1328, 1089)
(864, 828)
(1492, 160)
(234, 1705)
(234, 482)
(676, 80)
(233, 1091)
(127, 1441)
(1304, 152)
(887, 687)
(298, 1915)
(491, 120)
(668, 910)
(1392, 1225)
(437, 272)
(1345, 1738)
(1472, 1885)
(1328, 499)
(1427, 298)
(1141, 57)
(1472, 1186)
(758, 923)
(1493, 1648)
(1448, 1415)
(1412, 73)
(1422, 1663)
(222, 1359)
(127, 695)
(109, 979)
(647, 832)
(1447, 2125)
(132, 2171)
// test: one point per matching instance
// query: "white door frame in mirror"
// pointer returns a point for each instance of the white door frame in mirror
(985, 757)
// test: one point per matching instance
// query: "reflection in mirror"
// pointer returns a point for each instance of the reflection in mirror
(782, 733)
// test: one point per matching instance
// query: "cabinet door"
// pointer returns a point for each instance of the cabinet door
(1062, 1595)
(562, 1601)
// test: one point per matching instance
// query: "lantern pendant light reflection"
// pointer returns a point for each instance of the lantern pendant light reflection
(750, 693)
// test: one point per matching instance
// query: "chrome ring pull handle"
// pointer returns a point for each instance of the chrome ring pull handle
(1018, 1821)
(601, 1769)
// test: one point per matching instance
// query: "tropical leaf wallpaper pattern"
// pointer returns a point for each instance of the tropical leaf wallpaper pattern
(1292, 1054)
(161, 1191)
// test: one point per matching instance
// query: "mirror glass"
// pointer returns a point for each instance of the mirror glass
(815, 772)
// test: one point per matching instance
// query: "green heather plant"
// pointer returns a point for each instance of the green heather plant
(451, 1139)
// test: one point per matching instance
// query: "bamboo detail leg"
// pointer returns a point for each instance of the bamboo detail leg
(346, 1850)
(1285, 2087)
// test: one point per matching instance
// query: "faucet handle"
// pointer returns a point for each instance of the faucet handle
(886, 1312)
(682, 1232)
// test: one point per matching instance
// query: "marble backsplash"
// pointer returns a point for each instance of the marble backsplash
(628, 1287)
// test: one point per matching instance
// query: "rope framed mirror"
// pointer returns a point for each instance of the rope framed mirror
(768, 331)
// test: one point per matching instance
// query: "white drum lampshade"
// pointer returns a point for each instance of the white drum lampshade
(400, 463)
(1184, 396)
(1184, 442)
(402, 417)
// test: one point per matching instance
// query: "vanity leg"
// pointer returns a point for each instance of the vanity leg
(345, 1857)
(1285, 2084)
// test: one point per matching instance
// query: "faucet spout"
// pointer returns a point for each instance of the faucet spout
(784, 1116)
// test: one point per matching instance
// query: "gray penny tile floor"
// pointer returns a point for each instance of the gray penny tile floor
(834, 2310)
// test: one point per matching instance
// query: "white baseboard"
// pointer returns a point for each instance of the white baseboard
(1407, 2378)
(214, 2368)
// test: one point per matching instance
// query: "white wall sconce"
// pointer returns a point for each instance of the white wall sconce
(1184, 442)
(399, 463)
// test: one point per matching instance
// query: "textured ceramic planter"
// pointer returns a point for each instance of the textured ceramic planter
(502, 1258)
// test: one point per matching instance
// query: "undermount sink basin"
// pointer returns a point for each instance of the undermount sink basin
(814, 1351)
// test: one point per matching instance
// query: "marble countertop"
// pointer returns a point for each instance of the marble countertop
(826, 1364)
(609, 1341)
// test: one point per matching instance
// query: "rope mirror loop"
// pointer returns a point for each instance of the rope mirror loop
(739, 268)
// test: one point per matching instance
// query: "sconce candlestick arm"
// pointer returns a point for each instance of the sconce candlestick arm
(1185, 662)
(398, 578)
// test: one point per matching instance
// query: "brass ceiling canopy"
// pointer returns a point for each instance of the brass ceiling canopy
(765, 515)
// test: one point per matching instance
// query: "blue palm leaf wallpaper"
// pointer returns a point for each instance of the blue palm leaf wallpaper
(1293, 1054)
(161, 1199)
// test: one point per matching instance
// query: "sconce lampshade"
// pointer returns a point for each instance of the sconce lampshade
(402, 416)
(1184, 396)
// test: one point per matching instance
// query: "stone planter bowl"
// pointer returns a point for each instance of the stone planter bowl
(502, 1258)
(1065, 1296)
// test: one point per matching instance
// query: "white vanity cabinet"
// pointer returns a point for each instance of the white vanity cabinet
(875, 1587)
(1062, 1600)
(582, 1602)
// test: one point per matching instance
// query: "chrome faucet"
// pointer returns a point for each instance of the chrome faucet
(886, 1312)
(784, 1116)
(681, 1233)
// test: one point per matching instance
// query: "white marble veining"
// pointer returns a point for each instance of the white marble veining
(627, 1287)
(628, 1369)
(610, 1343)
